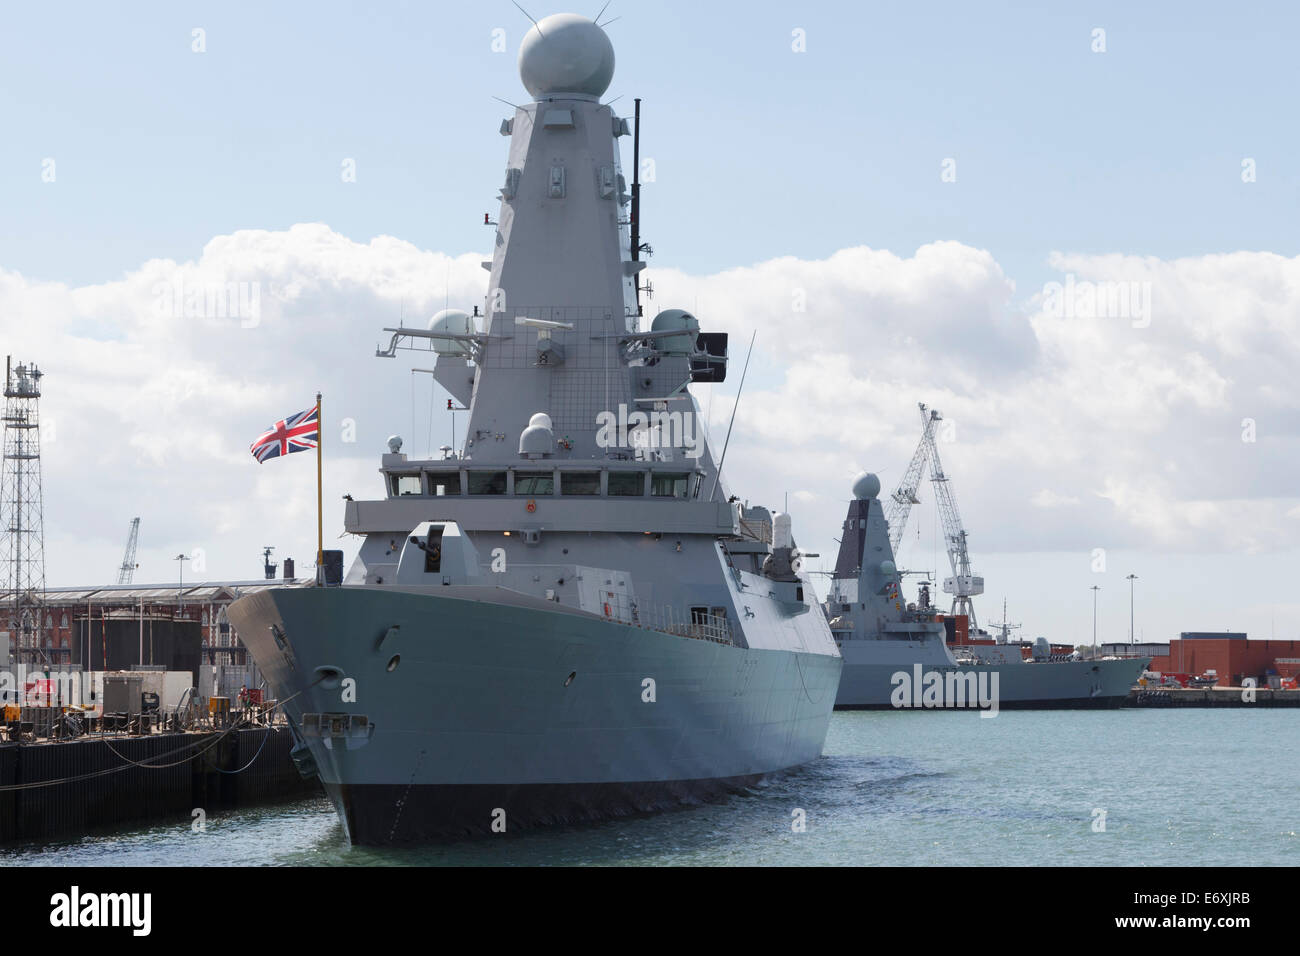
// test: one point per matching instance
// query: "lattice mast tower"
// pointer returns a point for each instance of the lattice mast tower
(23, 550)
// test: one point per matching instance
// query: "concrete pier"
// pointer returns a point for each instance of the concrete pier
(1212, 697)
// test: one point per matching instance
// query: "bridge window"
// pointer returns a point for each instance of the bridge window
(534, 482)
(627, 484)
(405, 485)
(444, 482)
(669, 485)
(487, 482)
(580, 482)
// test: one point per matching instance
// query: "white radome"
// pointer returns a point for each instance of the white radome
(866, 485)
(570, 54)
(453, 322)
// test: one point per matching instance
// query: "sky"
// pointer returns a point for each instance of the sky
(908, 202)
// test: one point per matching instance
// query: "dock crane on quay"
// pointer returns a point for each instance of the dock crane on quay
(962, 585)
(126, 572)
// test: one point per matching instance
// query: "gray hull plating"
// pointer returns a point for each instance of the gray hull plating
(480, 713)
(871, 666)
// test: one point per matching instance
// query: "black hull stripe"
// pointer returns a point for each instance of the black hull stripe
(394, 814)
(1067, 703)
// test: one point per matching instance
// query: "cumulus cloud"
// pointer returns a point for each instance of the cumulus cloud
(1170, 430)
(1104, 431)
(156, 383)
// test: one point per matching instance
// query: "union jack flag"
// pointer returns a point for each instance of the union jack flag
(299, 432)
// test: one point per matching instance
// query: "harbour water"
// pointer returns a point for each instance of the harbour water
(1207, 787)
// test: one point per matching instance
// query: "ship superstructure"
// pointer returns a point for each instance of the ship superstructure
(569, 617)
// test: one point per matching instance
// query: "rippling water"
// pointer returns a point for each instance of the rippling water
(1214, 787)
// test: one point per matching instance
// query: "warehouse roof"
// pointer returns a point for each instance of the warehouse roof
(200, 591)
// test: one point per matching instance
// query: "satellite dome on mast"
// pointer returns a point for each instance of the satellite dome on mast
(452, 322)
(537, 440)
(566, 54)
(672, 320)
(866, 485)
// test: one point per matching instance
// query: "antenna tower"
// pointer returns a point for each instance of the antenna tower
(21, 522)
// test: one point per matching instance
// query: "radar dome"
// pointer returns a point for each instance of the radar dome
(537, 440)
(566, 53)
(866, 485)
(671, 320)
(453, 322)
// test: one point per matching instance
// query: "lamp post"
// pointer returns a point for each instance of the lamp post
(180, 580)
(1132, 635)
(1095, 589)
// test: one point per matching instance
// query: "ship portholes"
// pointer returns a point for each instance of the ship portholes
(569, 680)
(393, 662)
(329, 677)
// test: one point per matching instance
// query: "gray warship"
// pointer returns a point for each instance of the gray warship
(569, 617)
(897, 656)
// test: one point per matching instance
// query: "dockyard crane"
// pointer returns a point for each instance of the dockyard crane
(904, 495)
(962, 585)
(127, 571)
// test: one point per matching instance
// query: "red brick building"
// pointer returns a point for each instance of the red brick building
(1230, 655)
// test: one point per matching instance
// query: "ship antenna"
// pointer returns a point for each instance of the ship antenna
(596, 18)
(718, 476)
(636, 198)
(530, 17)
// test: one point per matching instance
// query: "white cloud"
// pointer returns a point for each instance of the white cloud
(1109, 435)
(1103, 434)
(155, 412)
(1046, 498)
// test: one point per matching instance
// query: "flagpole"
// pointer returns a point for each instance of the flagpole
(320, 524)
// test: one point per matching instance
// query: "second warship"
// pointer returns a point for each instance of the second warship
(897, 655)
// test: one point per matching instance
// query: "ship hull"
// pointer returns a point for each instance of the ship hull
(871, 668)
(477, 712)
(394, 814)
